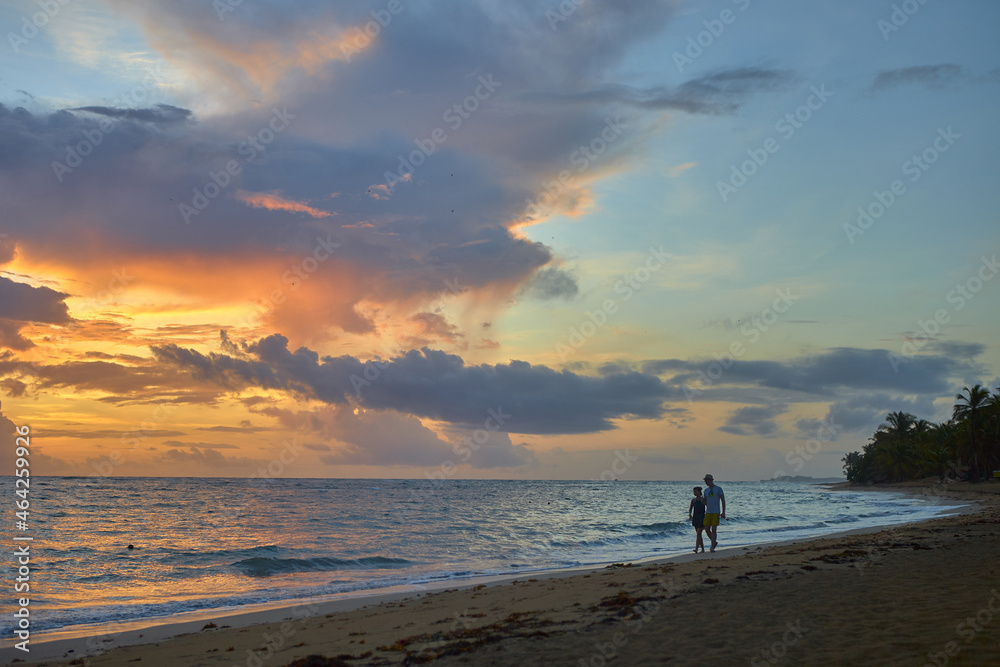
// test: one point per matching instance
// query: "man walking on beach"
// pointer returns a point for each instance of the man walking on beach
(713, 498)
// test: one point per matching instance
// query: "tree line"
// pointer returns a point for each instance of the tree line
(967, 446)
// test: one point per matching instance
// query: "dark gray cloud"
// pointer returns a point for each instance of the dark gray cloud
(822, 374)
(384, 438)
(931, 76)
(499, 452)
(7, 248)
(718, 93)
(436, 385)
(161, 113)
(754, 420)
(662, 366)
(21, 304)
(391, 438)
(552, 283)
(956, 349)
(24, 303)
(862, 413)
(206, 460)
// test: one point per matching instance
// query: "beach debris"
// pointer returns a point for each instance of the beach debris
(846, 556)
(618, 601)
(318, 661)
(209, 626)
(468, 639)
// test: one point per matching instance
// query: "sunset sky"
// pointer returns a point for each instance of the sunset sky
(491, 239)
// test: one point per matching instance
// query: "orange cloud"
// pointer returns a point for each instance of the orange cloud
(679, 169)
(380, 191)
(275, 202)
(252, 61)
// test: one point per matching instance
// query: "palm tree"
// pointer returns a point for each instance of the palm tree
(991, 430)
(969, 412)
(939, 448)
(853, 468)
(899, 424)
(897, 459)
(894, 445)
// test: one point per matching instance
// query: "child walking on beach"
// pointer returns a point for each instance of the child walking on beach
(696, 515)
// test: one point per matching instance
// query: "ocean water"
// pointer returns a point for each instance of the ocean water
(213, 543)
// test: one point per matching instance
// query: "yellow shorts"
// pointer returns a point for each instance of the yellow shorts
(711, 519)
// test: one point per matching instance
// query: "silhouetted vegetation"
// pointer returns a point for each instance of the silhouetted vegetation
(904, 447)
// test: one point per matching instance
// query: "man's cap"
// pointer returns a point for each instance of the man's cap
(709, 477)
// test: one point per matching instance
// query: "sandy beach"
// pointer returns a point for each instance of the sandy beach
(926, 593)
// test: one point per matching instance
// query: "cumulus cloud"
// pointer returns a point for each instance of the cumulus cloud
(388, 438)
(301, 80)
(21, 304)
(204, 462)
(357, 436)
(496, 450)
(24, 303)
(435, 385)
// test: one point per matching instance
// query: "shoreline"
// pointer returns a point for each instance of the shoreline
(54, 644)
(74, 643)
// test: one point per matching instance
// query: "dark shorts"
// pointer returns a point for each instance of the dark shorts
(698, 523)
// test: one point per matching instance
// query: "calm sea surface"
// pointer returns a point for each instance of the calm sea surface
(210, 543)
